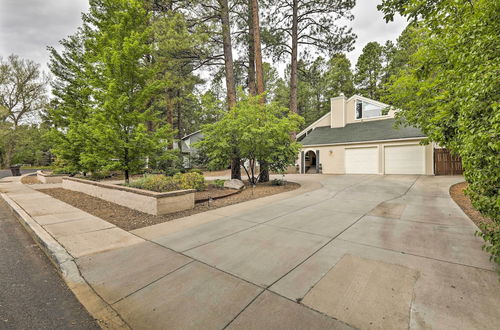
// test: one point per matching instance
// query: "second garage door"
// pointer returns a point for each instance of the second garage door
(405, 159)
(361, 160)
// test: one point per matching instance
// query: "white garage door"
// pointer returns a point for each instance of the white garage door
(405, 160)
(361, 160)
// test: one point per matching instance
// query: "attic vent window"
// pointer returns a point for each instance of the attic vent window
(368, 110)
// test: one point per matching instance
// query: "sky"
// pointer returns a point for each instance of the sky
(27, 27)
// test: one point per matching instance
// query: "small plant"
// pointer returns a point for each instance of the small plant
(218, 183)
(190, 180)
(278, 182)
(158, 183)
(196, 170)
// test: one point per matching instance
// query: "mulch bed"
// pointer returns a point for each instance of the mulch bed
(214, 193)
(129, 219)
(457, 193)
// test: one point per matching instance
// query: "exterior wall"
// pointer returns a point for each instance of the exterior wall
(137, 199)
(323, 122)
(332, 158)
(350, 111)
(337, 111)
(48, 178)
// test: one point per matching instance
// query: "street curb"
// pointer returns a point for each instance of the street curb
(105, 315)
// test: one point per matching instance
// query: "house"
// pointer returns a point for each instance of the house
(358, 136)
(187, 150)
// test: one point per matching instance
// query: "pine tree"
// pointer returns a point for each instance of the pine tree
(369, 70)
(312, 24)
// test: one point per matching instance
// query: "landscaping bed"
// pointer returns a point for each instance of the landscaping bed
(457, 193)
(129, 219)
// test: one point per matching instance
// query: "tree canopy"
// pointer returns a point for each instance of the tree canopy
(259, 131)
(450, 89)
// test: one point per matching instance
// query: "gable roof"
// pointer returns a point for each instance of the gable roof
(313, 124)
(367, 131)
(368, 100)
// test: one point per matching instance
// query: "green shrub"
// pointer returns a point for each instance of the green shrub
(491, 233)
(171, 171)
(190, 180)
(218, 183)
(277, 182)
(161, 183)
(158, 183)
(196, 170)
(98, 176)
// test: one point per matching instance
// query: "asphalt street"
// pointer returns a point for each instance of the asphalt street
(32, 295)
(4, 173)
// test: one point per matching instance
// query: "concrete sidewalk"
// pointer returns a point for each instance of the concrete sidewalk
(371, 252)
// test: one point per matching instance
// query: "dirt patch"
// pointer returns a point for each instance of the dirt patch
(129, 219)
(30, 179)
(217, 173)
(457, 193)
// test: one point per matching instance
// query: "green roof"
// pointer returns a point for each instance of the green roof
(359, 132)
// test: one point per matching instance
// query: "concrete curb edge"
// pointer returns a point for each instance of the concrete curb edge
(104, 314)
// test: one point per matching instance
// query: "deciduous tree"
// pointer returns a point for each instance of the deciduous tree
(23, 97)
(450, 90)
(262, 131)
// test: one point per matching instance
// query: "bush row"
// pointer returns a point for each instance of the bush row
(162, 183)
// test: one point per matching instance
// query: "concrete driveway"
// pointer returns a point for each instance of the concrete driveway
(369, 252)
(375, 252)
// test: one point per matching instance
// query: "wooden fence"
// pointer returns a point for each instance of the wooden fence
(447, 164)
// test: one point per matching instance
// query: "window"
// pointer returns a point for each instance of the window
(368, 110)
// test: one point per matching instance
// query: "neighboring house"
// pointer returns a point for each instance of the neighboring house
(358, 136)
(187, 150)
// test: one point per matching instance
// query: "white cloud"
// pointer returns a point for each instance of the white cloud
(27, 27)
(369, 25)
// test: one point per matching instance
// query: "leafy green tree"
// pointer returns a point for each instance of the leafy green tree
(397, 56)
(71, 104)
(23, 97)
(103, 116)
(118, 124)
(260, 132)
(369, 70)
(450, 90)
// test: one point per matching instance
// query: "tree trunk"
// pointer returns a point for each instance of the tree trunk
(259, 73)
(252, 89)
(170, 112)
(230, 83)
(126, 163)
(127, 177)
(228, 54)
(293, 67)
(179, 121)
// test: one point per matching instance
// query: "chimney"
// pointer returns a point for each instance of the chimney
(338, 111)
